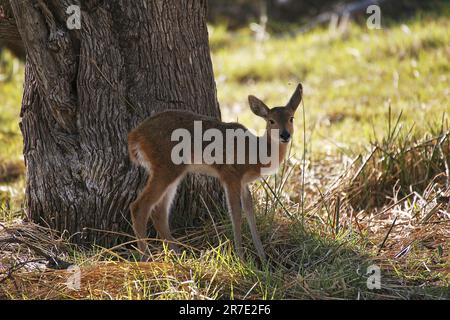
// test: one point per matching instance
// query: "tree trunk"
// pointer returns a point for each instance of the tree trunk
(86, 89)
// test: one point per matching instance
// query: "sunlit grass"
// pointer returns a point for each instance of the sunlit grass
(350, 79)
(11, 79)
(11, 159)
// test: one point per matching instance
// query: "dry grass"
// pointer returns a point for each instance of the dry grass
(397, 199)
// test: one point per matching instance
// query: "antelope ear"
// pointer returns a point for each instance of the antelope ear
(296, 98)
(258, 107)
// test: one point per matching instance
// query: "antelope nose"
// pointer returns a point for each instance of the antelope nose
(285, 136)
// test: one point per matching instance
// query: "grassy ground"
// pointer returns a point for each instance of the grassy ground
(375, 183)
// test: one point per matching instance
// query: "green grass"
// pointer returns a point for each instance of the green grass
(350, 79)
(11, 95)
(11, 158)
(356, 84)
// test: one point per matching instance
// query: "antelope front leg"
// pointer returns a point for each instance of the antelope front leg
(248, 208)
(234, 203)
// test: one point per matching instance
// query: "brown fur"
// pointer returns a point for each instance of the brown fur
(150, 145)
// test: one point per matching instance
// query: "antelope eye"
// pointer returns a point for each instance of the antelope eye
(292, 119)
(271, 121)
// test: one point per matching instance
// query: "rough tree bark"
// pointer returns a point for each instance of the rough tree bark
(86, 89)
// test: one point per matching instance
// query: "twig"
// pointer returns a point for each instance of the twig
(303, 164)
(361, 168)
(17, 267)
(387, 235)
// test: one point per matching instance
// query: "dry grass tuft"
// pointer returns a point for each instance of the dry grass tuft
(401, 169)
(109, 280)
(397, 199)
